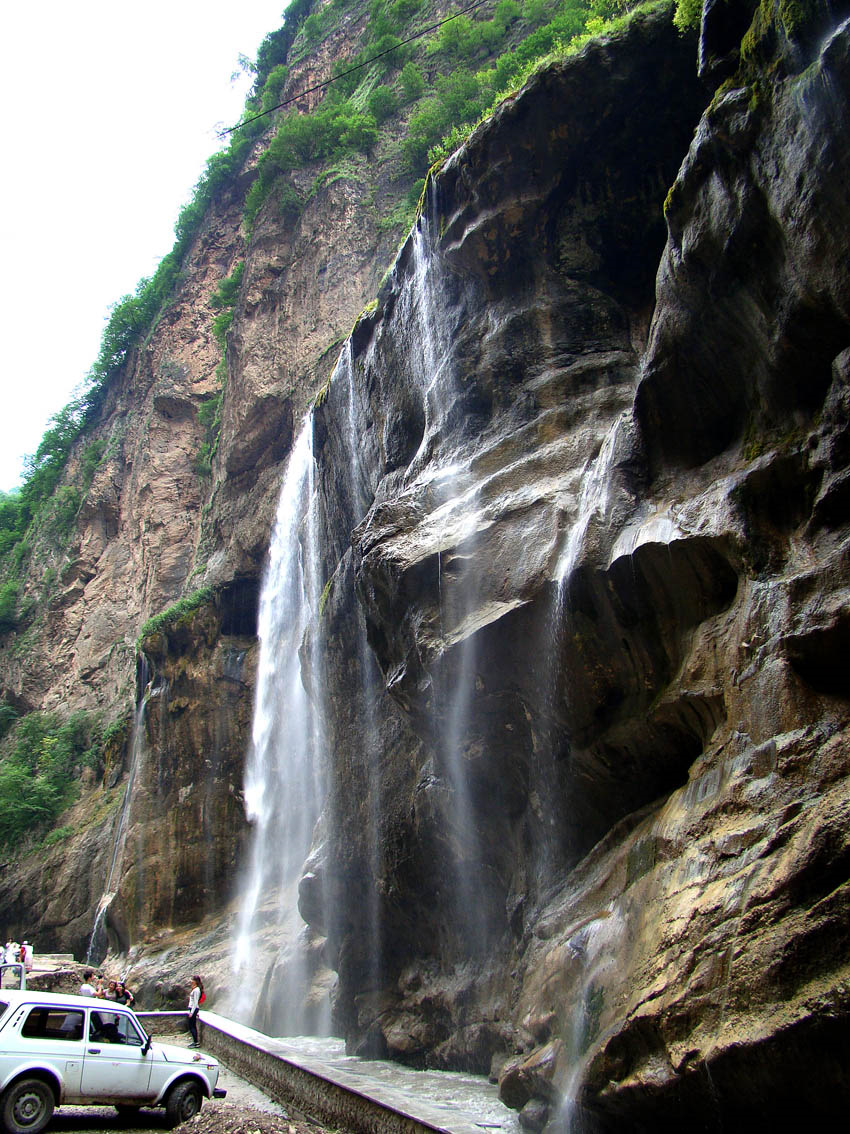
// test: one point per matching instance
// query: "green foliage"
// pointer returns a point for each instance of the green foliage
(335, 128)
(412, 82)
(13, 520)
(390, 49)
(210, 417)
(404, 10)
(227, 291)
(221, 325)
(383, 103)
(275, 47)
(506, 12)
(455, 38)
(325, 595)
(8, 606)
(347, 77)
(535, 12)
(115, 729)
(688, 14)
(58, 835)
(172, 615)
(290, 204)
(569, 21)
(273, 86)
(91, 457)
(414, 193)
(459, 97)
(8, 716)
(39, 775)
(610, 9)
(313, 27)
(257, 194)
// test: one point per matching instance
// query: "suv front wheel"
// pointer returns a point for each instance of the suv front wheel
(183, 1103)
(27, 1106)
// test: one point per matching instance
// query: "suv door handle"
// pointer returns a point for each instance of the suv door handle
(94, 1051)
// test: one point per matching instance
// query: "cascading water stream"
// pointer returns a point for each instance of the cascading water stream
(371, 683)
(98, 942)
(455, 521)
(283, 782)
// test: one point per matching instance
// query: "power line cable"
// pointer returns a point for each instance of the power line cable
(351, 70)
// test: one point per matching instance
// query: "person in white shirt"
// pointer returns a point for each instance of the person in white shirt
(195, 993)
(87, 988)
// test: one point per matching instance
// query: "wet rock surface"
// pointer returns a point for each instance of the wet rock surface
(602, 567)
(584, 500)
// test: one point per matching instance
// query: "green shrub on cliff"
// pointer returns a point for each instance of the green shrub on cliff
(172, 615)
(39, 773)
(13, 520)
(272, 87)
(688, 14)
(383, 103)
(412, 81)
(8, 606)
(227, 291)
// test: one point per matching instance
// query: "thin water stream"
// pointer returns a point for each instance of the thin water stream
(98, 942)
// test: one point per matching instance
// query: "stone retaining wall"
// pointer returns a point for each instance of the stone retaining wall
(164, 1023)
(315, 1091)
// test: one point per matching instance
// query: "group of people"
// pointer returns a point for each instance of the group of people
(15, 954)
(95, 984)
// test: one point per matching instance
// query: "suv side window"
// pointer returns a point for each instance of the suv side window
(53, 1024)
(113, 1027)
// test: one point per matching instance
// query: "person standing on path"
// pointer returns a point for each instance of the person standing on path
(196, 994)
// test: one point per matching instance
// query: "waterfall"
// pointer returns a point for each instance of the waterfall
(283, 781)
(455, 523)
(370, 680)
(98, 942)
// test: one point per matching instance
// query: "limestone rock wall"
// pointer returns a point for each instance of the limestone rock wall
(583, 489)
(602, 566)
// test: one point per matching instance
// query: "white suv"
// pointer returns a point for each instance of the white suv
(58, 1049)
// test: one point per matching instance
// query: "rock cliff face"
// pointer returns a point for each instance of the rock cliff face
(152, 529)
(582, 494)
(604, 576)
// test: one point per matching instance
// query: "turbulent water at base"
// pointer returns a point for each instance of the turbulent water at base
(283, 782)
(459, 1096)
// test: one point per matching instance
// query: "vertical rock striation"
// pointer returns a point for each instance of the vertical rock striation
(602, 566)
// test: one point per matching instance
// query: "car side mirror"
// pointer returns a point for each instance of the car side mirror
(146, 1046)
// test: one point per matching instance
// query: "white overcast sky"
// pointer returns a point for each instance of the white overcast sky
(110, 111)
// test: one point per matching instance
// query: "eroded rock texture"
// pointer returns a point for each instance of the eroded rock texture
(586, 615)
(602, 566)
(154, 527)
